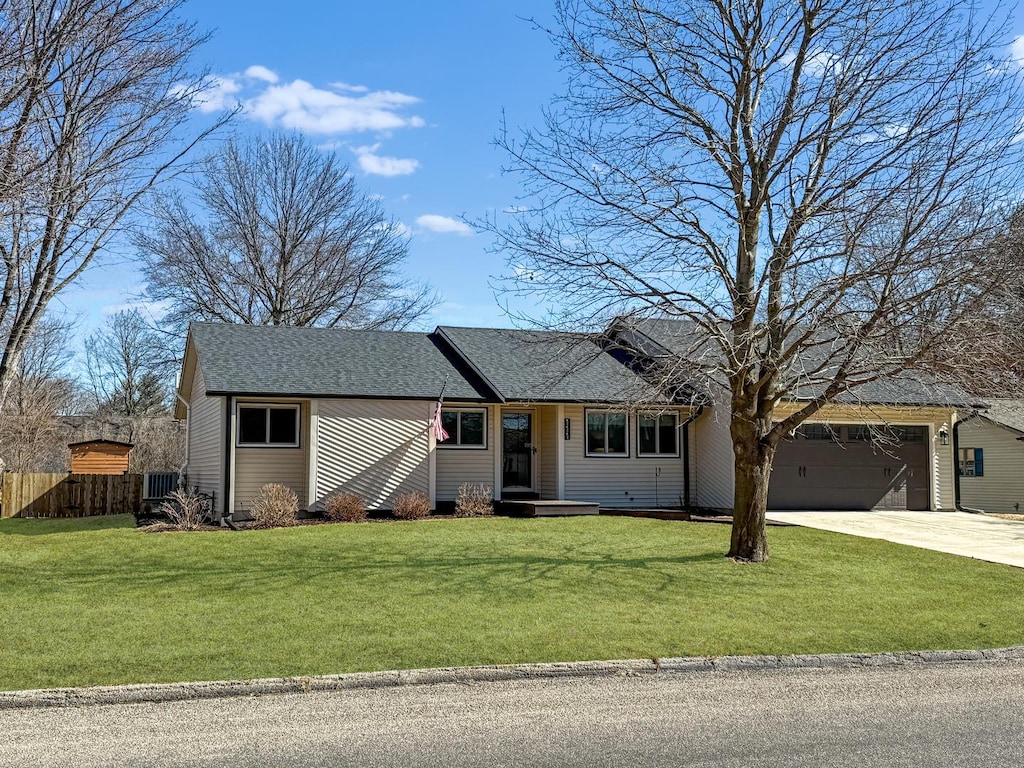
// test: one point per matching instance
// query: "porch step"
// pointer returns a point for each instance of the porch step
(539, 508)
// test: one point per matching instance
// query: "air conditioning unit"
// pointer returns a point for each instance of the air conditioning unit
(157, 485)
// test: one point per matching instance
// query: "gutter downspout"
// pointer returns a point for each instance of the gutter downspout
(183, 469)
(686, 454)
(228, 447)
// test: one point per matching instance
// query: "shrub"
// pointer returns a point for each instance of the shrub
(186, 509)
(474, 500)
(411, 506)
(274, 506)
(345, 507)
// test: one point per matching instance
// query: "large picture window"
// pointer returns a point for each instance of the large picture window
(268, 426)
(607, 433)
(657, 434)
(466, 427)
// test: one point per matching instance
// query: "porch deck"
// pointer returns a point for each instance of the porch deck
(543, 507)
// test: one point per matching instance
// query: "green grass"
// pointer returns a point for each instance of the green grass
(95, 601)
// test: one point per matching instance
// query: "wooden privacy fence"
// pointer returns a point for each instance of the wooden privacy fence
(61, 494)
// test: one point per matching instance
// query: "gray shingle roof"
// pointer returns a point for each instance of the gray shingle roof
(1005, 411)
(328, 362)
(909, 388)
(547, 366)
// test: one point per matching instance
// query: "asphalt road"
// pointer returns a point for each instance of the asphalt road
(920, 715)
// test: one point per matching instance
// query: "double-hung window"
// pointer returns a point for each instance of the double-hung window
(268, 426)
(607, 433)
(466, 427)
(657, 434)
(971, 463)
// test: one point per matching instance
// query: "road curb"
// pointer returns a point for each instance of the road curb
(126, 694)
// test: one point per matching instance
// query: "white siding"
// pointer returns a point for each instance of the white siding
(943, 479)
(713, 457)
(377, 449)
(206, 441)
(255, 467)
(1002, 485)
(619, 481)
(548, 432)
(455, 466)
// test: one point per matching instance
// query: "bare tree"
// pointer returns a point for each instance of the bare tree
(93, 97)
(32, 436)
(811, 184)
(282, 237)
(127, 367)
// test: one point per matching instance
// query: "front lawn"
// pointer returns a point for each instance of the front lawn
(95, 601)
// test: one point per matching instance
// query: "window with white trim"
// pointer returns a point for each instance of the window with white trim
(607, 433)
(971, 463)
(268, 425)
(466, 427)
(657, 434)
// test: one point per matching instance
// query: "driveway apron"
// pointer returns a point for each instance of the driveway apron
(957, 533)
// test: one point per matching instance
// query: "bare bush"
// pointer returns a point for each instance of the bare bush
(187, 509)
(275, 506)
(474, 500)
(411, 506)
(345, 507)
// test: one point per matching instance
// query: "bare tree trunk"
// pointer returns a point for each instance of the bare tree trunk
(753, 453)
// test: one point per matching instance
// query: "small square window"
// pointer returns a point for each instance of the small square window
(607, 433)
(268, 426)
(466, 427)
(971, 463)
(657, 434)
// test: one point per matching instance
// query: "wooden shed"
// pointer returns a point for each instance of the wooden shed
(99, 457)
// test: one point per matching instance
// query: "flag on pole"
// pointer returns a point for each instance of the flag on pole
(440, 435)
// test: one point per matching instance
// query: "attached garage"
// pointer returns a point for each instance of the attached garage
(852, 466)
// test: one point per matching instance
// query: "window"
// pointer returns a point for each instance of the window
(816, 432)
(607, 434)
(971, 463)
(657, 434)
(268, 425)
(466, 428)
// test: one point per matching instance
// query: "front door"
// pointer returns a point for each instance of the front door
(517, 450)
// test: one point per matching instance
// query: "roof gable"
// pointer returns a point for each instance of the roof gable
(672, 337)
(524, 365)
(329, 362)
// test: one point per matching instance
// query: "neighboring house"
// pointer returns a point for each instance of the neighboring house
(532, 414)
(990, 457)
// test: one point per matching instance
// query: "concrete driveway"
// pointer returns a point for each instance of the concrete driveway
(958, 533)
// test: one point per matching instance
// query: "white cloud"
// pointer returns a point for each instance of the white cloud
(515, 209)
(378, 165)
(219, 94)
(1017, 49)
(257, 72)
(340, 86)
(302, 106)
(443, 224)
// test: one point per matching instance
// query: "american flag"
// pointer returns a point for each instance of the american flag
(439, 432)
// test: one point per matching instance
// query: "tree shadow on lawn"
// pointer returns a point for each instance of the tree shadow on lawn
(413, 574)
(50, 526)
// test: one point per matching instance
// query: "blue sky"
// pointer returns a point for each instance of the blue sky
(411, 96)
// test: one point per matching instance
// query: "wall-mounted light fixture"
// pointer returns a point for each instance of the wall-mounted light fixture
(943, 435)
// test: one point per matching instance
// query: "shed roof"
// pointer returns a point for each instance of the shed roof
(101, 442)
(329, 362)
